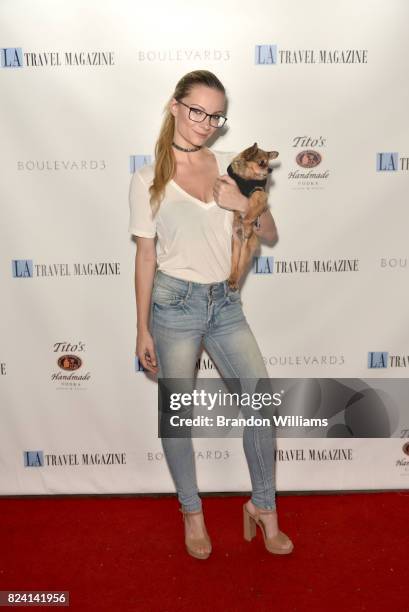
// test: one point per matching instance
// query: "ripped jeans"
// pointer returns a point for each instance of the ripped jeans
(185, 314)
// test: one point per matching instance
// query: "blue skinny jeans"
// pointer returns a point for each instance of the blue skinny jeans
(184, 316)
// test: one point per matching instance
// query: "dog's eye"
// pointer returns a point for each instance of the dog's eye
(262, 163)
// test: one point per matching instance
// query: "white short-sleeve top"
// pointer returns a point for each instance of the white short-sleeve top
(194, 237)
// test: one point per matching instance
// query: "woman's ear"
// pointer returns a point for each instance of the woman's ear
(172, 106)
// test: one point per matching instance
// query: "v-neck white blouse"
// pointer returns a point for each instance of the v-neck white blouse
(194, 237)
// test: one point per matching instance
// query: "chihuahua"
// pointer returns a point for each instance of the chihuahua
(249, 169)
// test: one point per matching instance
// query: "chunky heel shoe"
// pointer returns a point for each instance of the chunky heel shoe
(193, 545)
(280, 544)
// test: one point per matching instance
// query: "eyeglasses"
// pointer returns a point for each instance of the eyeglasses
(198, 115)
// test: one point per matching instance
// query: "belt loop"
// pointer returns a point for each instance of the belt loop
(225, 288)
(189, 290)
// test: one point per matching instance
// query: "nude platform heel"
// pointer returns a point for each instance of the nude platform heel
(280, 544)
(193, 545)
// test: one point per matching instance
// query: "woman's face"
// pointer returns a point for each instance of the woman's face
(192, 133)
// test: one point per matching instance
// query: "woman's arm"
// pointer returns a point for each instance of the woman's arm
(145, 267)
(228, 195)
(266, 227)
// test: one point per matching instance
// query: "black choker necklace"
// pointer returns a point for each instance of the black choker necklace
(186, 150)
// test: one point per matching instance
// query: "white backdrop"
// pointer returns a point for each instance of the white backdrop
(83, 87)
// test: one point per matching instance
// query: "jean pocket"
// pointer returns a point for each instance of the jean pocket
(234, 296)
(167, 297)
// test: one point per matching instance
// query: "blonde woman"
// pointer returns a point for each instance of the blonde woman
(186, 200)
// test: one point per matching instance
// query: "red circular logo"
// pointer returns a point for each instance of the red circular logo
(308, 159)
(69, 362)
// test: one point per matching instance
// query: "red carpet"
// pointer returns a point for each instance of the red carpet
(122, 553)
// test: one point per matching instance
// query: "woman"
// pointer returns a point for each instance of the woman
(187, 200)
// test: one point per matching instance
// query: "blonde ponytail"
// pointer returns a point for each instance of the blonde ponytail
(165, 162)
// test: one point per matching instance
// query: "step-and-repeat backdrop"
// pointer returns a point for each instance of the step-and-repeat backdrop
(83, 87)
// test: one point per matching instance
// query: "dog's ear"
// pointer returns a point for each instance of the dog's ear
(272, 154)
(250, 152)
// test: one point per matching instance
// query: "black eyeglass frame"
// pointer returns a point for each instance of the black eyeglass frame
(205, 117)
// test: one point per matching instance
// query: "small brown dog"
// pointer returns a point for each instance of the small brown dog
(249, 169)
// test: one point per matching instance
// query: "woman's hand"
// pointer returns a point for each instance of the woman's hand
(228, 195)
(145, 351)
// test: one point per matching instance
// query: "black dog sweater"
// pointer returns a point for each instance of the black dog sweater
(247, 186)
